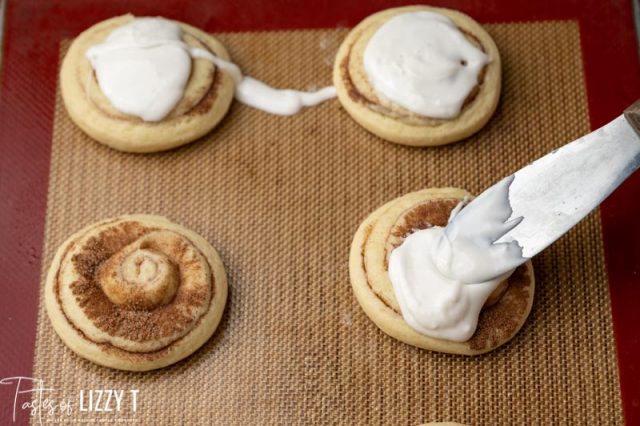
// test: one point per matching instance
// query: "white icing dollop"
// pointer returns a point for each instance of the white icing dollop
(430, 302)
(143, 67)
(423, 62)
(443, 276)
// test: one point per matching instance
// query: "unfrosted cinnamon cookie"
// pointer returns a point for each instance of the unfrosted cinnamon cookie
(187, 94)
(419, 75)
(503, 313)
(136, 292)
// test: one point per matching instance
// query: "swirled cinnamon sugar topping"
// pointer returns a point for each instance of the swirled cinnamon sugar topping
(127, 321)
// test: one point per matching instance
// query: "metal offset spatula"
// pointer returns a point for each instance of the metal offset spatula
(552, 194)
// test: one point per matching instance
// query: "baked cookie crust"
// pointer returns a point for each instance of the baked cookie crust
(396, 124)
(207, 96)
(500, 319)
(111, 302)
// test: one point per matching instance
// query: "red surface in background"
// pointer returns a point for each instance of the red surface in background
(27, 96)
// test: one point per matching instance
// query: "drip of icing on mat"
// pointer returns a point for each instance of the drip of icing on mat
(143, 68)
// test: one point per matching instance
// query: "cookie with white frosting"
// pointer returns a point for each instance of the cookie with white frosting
(136, 292)
(419, 75)
(145, 84)
(446, 313)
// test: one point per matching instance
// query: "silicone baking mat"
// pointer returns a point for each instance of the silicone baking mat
(280, 197)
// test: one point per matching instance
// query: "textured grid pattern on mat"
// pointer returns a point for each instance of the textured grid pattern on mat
(281, 198)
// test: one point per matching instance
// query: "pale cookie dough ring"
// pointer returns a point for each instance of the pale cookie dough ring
(385, 228)
(136, 292)
(396, 124)
(207, 97)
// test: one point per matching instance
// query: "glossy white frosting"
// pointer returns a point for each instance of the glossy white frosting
(443, 276)
(430, 302)
(424, 63)
(143, 67)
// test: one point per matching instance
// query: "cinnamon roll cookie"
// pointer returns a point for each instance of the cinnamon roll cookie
(410, 300)
(419, 75)
(145, 84)
(137, 292)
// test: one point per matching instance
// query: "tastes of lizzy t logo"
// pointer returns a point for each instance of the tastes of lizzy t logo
(33, 397)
